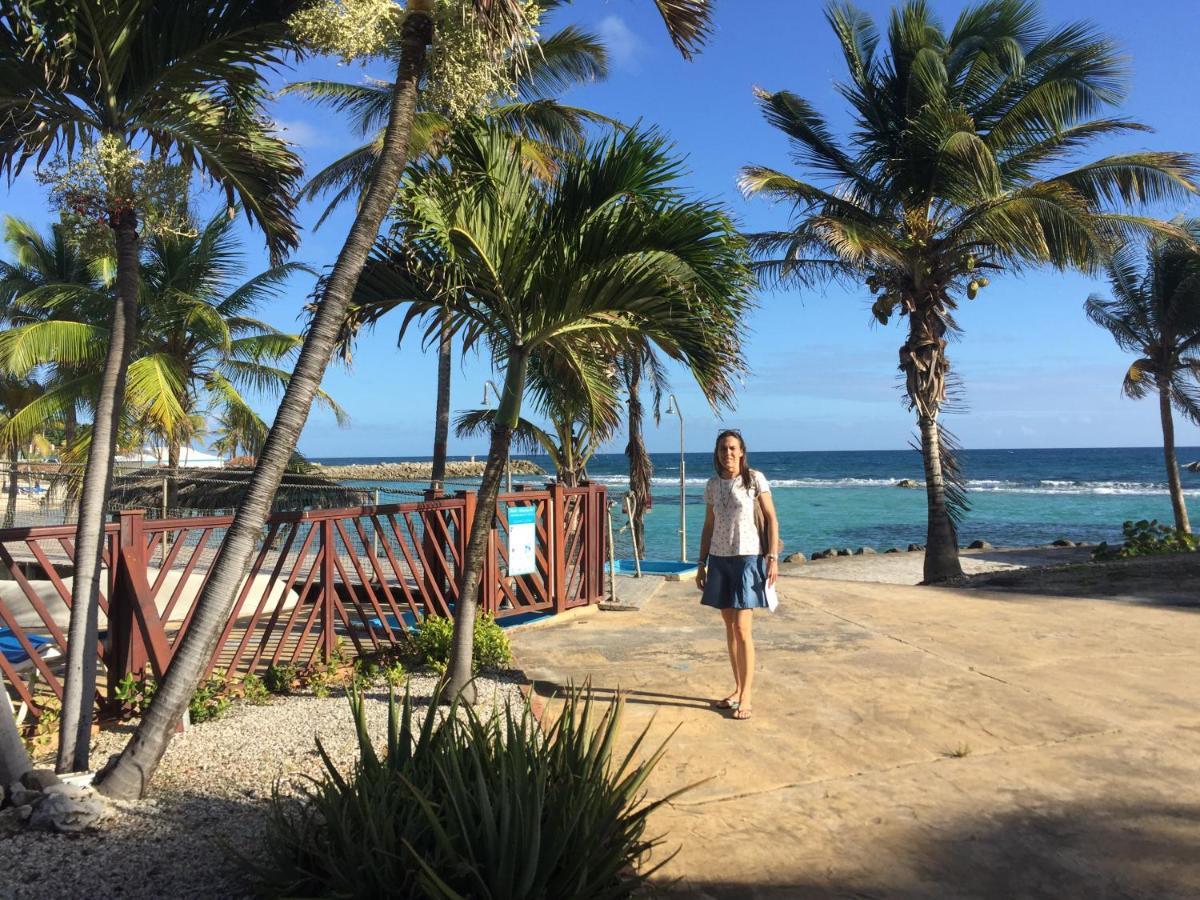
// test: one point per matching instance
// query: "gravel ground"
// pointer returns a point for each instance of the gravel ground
(211, 793)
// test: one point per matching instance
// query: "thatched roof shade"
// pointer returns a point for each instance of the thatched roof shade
(224, 489)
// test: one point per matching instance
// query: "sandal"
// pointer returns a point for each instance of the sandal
(741, 713)
(729, 702)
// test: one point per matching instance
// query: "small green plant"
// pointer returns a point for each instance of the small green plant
(280, 678)
(435, 639)
(254, 690)
(367, 670)
(45, 731)
(553, 814)
(136, 691)
(394, 674)
(963, 749)
(1147, 537)
(211, 699)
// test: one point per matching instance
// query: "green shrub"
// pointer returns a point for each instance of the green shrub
(1147, 538)
(394, 674)
(211, 699)
(435, 639)
(459, 806)
(136, 691)
(280, 678)
(254, 691)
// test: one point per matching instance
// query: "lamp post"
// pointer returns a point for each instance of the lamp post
(508, 456)
(673, 407)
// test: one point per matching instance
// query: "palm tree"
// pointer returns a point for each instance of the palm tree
(965, 163)
(38, 261)
(555, 64)
(15, 393)
(639, 362)
(687, 21)
(560, 276)
(580, 421)
(1155, 312)
(187, 78)
(199, 348)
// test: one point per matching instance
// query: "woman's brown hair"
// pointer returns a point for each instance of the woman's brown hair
(747, 478)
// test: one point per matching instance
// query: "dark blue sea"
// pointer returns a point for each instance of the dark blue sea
(849, 498)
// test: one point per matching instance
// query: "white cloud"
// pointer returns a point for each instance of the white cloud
(624, 46)
(301, 133)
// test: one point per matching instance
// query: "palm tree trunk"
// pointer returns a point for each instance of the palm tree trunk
(640, 468)
(172, 498)
(925, 366)
(459, 682)
(1178, 505)
(70, 425)
(80, 686)
(10, 503)
(441, 424)
(133, 771)
(14, 758)
(941, 537)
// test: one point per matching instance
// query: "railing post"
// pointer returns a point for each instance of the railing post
(432, 582)
(127, 646)
(328, 586)
(556, 531)
(470, 502)
(595, 544)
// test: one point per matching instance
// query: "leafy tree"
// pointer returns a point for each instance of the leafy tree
(964, 163)
(560, 276)
(99, 80)
(199, 348)
(639, 363)
(15, 394)
(1155, 312)
(687, 20)
(553, 65)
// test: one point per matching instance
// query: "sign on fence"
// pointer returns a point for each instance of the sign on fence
(522, 540)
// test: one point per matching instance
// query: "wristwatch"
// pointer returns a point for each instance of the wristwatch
(771, 556)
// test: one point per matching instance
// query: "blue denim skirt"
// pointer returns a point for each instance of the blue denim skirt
(736, 582)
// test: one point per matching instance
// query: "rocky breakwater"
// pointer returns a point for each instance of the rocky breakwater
(419, 471)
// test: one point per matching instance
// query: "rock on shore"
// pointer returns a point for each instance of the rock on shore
(420, 471)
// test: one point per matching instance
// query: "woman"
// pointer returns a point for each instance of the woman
(741, 562)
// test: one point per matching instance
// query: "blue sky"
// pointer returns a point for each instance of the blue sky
(1036, 372)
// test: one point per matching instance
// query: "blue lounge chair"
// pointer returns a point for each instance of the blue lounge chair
(18, 657)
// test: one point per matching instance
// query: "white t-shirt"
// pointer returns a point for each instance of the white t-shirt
(734, 533)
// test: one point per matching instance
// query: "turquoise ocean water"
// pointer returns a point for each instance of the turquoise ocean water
(849, 498)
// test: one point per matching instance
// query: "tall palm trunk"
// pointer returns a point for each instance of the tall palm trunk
(80, 686)
(70, 429)
(1178, 505)
(941, 537)
(459, 682)
(133, 771)
(10, 503)
(640, 468)
(441, 422)
(172, 498)
(70, 425)
(925, 366)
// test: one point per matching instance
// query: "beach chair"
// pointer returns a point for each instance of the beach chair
(18, 657)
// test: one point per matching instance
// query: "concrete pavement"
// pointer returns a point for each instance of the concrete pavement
(911, 742)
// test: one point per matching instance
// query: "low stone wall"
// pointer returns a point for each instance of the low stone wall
(420, 471)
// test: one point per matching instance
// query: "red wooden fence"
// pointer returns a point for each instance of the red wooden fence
(360, 577)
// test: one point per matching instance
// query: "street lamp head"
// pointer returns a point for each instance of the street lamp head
(672, 405)
(495, 391)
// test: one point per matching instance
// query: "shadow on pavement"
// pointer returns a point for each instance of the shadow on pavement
(548, 689)
(1093, 851)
